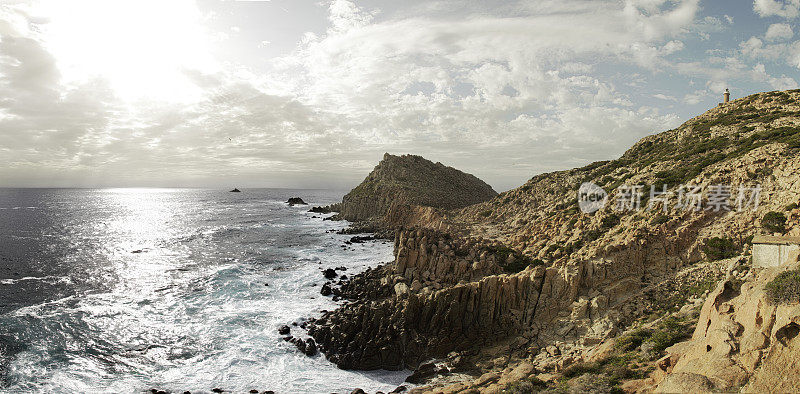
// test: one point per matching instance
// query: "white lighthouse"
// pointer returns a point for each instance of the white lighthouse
(727, 96)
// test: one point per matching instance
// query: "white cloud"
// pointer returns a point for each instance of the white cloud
(665, 97)
(783, 8)
(779, 31)
(672, 47)
(345, 15)
(695, 97)
(528, 86)
(755, 48)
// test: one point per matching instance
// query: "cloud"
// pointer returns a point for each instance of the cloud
(527, 87)
(779, 31)
(662, 96)
(783, 8)
(778, 83)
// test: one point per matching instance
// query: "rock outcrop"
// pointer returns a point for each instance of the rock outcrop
(742, 341)
(526, 282)
(295, 201)
(408, 180)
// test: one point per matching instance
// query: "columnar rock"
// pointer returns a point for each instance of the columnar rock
(528, 268)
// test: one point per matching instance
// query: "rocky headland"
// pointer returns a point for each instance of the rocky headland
(523, 292)
(400, 187)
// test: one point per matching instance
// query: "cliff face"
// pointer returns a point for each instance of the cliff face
(553, 288)
(410, 180)
(742, 340)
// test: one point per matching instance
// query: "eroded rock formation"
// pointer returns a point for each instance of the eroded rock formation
(408, 180)
(526, 276)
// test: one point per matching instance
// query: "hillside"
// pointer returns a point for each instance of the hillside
(525, 291)
(410, 180)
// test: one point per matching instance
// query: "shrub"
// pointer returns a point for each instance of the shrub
(719, 248)
(774, 222)
(700, 287)
(610, 221)
(791, 206)
(632, 340)
(592, 235)
(785, 288)
(660, 219)
(519, 263)
(529, 385)
(669, 332)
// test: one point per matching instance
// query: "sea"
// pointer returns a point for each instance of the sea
(127, 290)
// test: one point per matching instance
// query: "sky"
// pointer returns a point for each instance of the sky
(310, 94)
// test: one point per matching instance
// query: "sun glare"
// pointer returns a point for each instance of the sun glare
(142, 48)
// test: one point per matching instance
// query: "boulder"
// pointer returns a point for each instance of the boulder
(326, 290)
(320, 210)
(296, 201)
(329, 273)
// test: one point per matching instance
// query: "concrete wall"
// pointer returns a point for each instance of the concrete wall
(772, 255)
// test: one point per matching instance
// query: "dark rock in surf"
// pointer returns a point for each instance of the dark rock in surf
(296, 201)
(329, 273)
(284, 330)
(358, 391)
(235, 191)
(310, 347)
(422, 373)
(326, 290)
(361, 239)
(320, 210)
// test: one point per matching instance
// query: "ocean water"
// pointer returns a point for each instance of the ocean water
(123, 290)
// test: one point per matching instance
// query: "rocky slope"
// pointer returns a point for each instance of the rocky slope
(401, 181)
(524, 290)
(743, 341)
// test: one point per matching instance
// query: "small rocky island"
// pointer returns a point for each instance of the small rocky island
(522, 292)
(295, 201)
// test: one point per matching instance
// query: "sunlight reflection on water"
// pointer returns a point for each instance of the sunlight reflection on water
(170, 292)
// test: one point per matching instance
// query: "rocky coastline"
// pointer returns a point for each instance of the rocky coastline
(522, 292)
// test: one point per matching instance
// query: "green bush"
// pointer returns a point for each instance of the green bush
(660, 219)
(719, 248)
(669, 332)
(774, 222)
(791, 206)
(610, 221)
(529, 385)
(521, 261)
(785, 288)
(632, 340)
